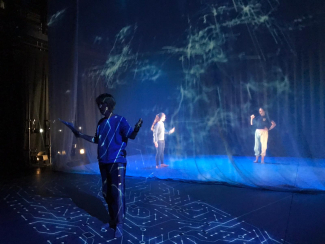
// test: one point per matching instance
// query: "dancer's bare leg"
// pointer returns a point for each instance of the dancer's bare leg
(262, 159)
(256, 160)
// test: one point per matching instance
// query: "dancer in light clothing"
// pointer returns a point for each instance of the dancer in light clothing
(263, 125)
(159, 132)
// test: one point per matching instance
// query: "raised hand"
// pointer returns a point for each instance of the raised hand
(71, 127)
(138, 125)
(172, 131)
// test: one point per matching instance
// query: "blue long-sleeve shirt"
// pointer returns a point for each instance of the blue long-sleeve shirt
(112, 137)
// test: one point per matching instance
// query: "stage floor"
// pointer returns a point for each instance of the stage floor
(52, 207)
(285, 174)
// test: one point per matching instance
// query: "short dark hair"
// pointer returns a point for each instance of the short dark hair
(108, 99)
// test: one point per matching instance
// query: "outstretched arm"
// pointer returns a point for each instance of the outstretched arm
(170, 132)
(273, 124)
(86, 137)
(136, 129)
(78, 133)
(252, 117)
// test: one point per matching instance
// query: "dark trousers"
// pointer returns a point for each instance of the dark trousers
(113, 189)
(160, 152)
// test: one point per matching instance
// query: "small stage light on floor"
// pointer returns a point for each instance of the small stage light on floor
(40, 157)
(82, 151)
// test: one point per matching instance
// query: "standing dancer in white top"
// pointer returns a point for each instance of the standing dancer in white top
(159, 132)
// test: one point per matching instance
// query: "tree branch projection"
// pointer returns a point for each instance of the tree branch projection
(218, 38)
(209, 46)
(56, 17)
(121, 60)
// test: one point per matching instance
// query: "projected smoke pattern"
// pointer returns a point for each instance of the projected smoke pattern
(147, 73)
(56, 17)
(208, 69)
(207, 45)
(122, 59)
(156, 213)
(206, 48)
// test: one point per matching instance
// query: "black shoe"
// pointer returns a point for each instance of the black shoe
(105, 227)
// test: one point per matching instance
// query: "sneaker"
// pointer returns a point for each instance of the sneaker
(118, 231)
(104, 227)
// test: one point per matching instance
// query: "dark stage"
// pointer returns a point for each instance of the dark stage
(205, 87)
(53, 207)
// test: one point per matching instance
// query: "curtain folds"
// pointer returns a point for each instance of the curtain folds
(208, 66)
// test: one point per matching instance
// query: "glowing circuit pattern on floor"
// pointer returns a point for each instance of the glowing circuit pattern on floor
(157, 212)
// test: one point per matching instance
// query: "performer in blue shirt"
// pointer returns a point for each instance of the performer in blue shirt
(112, 134)
(263, 125)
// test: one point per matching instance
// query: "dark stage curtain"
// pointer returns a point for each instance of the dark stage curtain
(208, 66)
(24, 78)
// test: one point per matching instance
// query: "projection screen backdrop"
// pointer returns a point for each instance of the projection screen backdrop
(208, 65)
